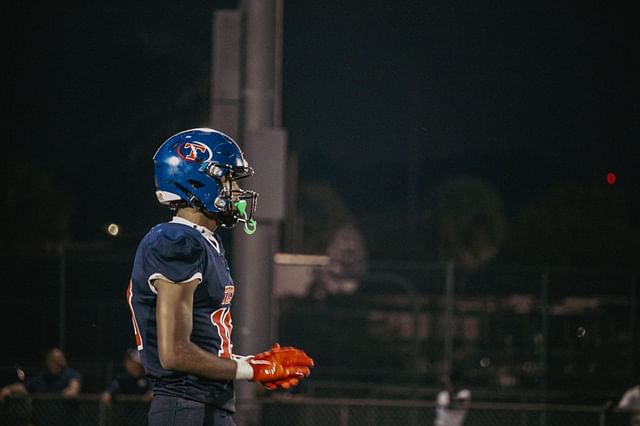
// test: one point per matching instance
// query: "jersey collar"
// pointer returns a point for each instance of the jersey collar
(206, 233)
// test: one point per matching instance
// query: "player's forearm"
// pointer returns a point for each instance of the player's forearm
(174, 312)
(188, 358)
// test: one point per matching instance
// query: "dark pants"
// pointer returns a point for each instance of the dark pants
(174, 411)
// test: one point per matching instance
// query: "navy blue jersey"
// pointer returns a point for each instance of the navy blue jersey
(179, 252)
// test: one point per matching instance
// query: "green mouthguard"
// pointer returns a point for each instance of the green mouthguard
(241, 206)
(250, 225)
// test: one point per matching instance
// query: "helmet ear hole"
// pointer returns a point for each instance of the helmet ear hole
(195, 184)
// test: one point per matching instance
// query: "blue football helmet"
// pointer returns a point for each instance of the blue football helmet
(199, 168)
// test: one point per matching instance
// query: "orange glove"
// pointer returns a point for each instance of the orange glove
(280, 367)
(284, 384)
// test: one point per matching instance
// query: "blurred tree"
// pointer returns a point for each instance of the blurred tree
(321, 212)
(471, 222)
(576, 225)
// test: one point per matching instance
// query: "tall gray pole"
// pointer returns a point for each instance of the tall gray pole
(264, 143)
(226, 73)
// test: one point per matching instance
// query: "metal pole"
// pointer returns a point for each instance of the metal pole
(259, 64)
(103, 414)
(292, 240)
(226, 72)
(414, 152)
(448, 316)
(344, 415)
(264, 145)
(633, 325)
(545, 336)
(602, 418)
(62, 289)
(277, 62)
(246, 89)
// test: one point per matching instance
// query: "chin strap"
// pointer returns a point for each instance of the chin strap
(250, 225)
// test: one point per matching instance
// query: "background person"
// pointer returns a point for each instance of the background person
(56, 377)
(452, 404)
(631, 401)
(132, 381)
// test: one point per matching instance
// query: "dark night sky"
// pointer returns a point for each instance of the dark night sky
(522, 96)
(498, 90)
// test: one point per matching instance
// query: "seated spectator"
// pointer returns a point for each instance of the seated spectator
(630, 402)
(57, 377)
(452, 404)
(130, 382)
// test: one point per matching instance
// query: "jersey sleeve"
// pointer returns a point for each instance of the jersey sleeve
(175, 257)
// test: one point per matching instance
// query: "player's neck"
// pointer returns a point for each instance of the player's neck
(197, 217)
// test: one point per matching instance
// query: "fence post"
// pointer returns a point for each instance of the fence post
(62, 290)
(603, 412)
(544, 300)
(633, 324)
(102, 415)
(448, 315)
(344, 415)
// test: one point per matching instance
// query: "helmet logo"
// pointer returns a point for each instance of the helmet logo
(194, 151)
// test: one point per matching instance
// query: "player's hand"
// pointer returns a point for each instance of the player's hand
(280, 367)
(287, 356)
(282, 384)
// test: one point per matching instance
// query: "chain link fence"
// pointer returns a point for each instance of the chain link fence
(282, 411)
(364, 412)
(516, 334)
(516, 329)
(86, 409)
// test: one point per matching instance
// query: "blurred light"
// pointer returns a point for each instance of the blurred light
(581, 332)
(485, 362)
(611, 178)
(113, 229)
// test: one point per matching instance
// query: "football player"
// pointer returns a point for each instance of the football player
(181, 289)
